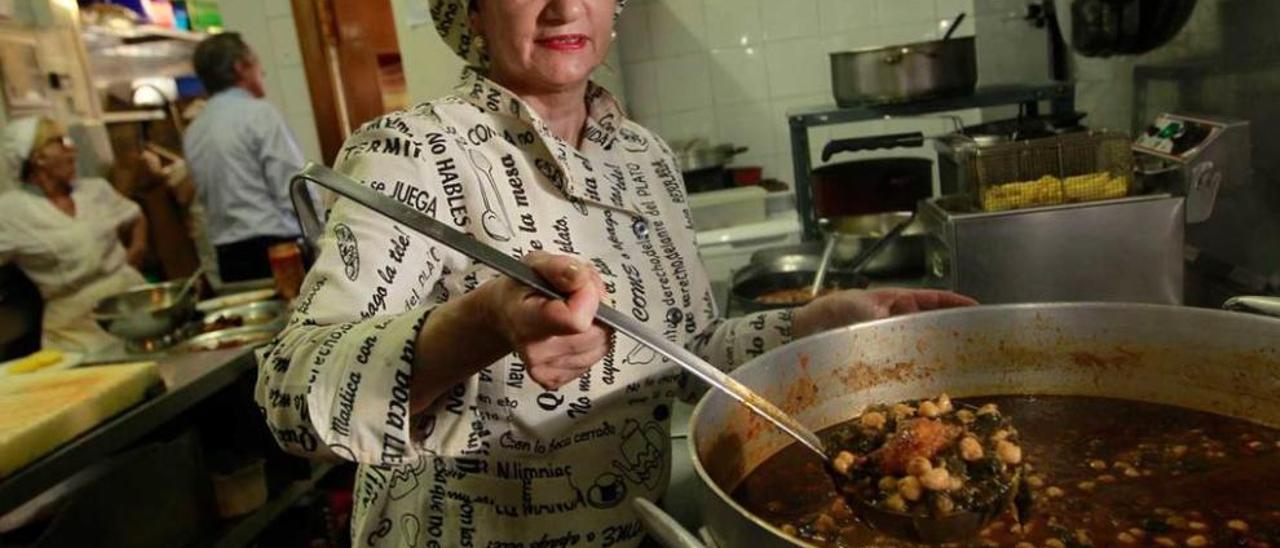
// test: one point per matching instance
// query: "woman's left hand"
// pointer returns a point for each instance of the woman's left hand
(849, 307)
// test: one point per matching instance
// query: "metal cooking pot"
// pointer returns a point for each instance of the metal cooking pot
(788, 267)
(903, 257)
(698, 155)
(1208, 360)
(146, 312)
(903, 73)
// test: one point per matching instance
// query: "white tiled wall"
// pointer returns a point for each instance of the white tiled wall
(267, 25)
(730, 70)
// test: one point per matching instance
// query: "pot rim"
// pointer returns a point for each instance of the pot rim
(693, 435)
(874, 49)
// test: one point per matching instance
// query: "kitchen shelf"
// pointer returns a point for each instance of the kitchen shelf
(132, 116)
(1059, 95)
(245, 530)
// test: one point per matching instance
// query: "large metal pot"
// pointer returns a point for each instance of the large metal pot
(1222, 362)
(909, 72)
(902, 257)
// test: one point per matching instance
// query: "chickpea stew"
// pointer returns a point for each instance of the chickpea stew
(1101, 472)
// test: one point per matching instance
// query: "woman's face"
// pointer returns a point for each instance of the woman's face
(55, 158)
(545, 45)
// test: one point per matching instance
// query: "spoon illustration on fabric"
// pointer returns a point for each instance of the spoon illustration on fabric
(495, 221)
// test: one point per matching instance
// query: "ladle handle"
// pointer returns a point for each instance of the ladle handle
(622, 323)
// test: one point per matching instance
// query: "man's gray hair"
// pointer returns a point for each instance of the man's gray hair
(215, 60)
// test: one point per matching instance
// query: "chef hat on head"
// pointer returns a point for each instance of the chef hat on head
(453, 22)
(19, 142)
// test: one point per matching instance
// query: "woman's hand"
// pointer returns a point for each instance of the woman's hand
(557, 340)
(849, 307)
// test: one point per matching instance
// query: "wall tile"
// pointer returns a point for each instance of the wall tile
(739, 74)
(780, 108)
(689, 125)
(284, 42)
(741, 124)
(784, 19)
(277, 8)
(910, 33)
(684, 83)
(734, 23)
(900, 12)
(798, 67)
(677, 27)
(634, 38)
(844, 15)
(641, 80)
(947, 10)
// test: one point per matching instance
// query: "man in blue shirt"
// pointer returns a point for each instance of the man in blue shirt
(241, 155)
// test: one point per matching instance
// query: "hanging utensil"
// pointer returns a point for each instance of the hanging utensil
(820, 277)
(954, 25)
(516, 270)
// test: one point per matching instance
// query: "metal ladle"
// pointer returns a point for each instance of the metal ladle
(516, 270)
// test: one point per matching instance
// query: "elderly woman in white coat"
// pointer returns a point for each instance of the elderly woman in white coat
(67, 233)
(481, 413)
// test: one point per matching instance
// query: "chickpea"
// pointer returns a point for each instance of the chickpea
(1055, 543)
(1035, 481)
(929, 409)
(966, 416)
(1179, 450)
(843, 462)
(919, 466)
(936, 479)
(1008, 452)
(970, 449)
(1238, 525)
(896, 503)
(910, 488)
(989, 409)
(1126, 538)
(874, 420)
(1082, 537)
(943, 504)
(1086, 485)
(1000, 435)
(888, 484)
(1197, 540)
(825, 524)
(1024, 545)
(1131, 472)
(1137, 533)
(1106, 478)
(1054, 491)
(840, 509)
(1177, 522)
(944, 403)
(1098, 464)
(956, 483)
(1165, 541)
(789, 530)
(1198, 526)
(903, 410)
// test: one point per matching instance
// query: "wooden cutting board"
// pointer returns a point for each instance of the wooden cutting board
(40, 411)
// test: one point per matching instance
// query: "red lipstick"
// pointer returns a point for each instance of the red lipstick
(563, 42)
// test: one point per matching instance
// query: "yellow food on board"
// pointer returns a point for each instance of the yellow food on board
(1050, 190)
(36, 362)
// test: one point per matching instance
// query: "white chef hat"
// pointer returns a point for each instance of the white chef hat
(19, 141)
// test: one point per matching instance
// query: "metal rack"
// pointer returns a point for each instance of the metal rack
(1059, 95)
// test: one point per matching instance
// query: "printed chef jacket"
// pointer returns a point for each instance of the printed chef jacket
(498, 460)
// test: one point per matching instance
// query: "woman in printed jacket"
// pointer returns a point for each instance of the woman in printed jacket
(482, 414)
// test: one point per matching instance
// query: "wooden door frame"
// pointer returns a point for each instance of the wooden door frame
(316, 32)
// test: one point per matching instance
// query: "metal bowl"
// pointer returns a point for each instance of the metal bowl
(229, 338)
(266, 314)
(145, 313)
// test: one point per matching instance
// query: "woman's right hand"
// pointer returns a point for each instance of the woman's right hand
(558, 340)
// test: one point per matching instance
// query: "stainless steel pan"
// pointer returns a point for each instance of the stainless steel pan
(1217, 361)
(908, 72)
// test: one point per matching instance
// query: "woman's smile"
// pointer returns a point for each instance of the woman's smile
(563, 42)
